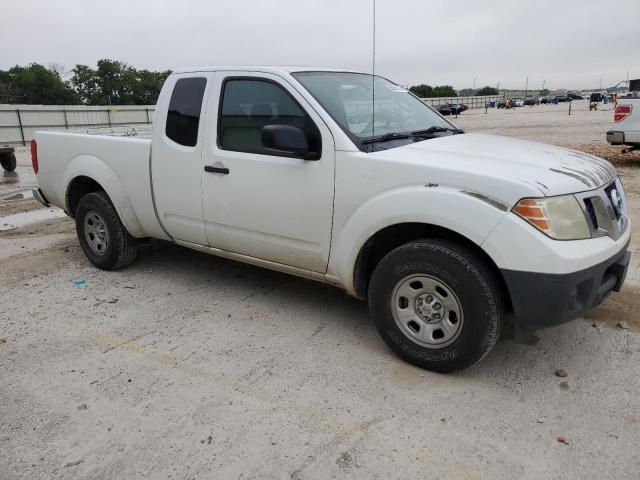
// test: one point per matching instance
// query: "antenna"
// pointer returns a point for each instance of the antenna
(373, 78)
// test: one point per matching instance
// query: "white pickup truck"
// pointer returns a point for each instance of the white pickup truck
(626, 118)
(443, 233)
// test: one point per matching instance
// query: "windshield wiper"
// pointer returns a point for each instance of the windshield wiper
(387, 137)
(437, 129)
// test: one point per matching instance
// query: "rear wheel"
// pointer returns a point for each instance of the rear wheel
(8, 161)
(436, 304)
(103, 238)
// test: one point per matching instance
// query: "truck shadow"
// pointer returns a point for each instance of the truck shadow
(321, 306)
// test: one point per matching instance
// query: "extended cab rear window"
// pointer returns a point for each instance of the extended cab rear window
(185, 105)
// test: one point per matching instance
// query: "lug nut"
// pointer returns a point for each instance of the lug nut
(429, 299)
(437, 306)
(436, 316)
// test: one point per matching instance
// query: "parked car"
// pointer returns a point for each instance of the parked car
(444, 109)
(442, 233)
(561, 99)
(517, 102)
(531, 101)
(457, 108)
(626, 118)
(575, 96)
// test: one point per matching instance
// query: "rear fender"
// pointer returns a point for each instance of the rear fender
(96, 169)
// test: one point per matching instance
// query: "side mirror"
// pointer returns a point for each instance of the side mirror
(287, 140)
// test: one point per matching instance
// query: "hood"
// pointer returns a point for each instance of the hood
(552, 170)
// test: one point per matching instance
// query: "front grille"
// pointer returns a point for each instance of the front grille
(591, 211)
(605, 210)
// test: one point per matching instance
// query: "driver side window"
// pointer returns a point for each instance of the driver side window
(247, 105)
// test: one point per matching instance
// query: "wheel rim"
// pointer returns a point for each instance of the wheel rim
(427, 311)
(96, 233)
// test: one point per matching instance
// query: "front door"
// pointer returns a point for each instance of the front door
(256, 202)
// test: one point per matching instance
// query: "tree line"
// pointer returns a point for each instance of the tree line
(110, 83)
(427, 91)
(115, 83)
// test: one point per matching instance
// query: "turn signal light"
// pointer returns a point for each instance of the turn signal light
(532, 211)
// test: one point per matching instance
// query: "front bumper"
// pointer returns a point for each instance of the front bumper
(541, 300)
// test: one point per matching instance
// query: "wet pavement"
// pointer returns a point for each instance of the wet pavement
(18, 182)
(15, 187)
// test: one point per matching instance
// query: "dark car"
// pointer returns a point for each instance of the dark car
(443, 109)
(532, 101)
(457, 107)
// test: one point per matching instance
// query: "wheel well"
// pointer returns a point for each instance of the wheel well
(389, 238)
(78, 188)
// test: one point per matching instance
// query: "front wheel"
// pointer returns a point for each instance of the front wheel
(103, 238)
(436, 304)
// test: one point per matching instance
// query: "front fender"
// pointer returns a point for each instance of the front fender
(93, 167)
(466, 214)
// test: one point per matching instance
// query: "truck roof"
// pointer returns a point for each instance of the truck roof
(264, 68)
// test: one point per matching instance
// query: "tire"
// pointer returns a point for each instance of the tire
(8, 161)
(415, 283)
(103, 238)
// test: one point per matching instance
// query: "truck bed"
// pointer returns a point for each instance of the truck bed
(120, 164)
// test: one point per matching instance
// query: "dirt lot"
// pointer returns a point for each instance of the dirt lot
(188, 366)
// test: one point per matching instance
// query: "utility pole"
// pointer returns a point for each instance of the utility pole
(474, 82)
(543, 83)
(526, 88)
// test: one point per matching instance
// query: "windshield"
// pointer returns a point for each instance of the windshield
(348, 98)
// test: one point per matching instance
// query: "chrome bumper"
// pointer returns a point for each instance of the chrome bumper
(38, 195)
(615, 138)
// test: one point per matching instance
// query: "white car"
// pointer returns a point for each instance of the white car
(517, 102)
(443, 233)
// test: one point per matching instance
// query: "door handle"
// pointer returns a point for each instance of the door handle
(212, 169)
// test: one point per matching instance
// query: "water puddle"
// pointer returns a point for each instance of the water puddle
(18, 196)
(18, 220)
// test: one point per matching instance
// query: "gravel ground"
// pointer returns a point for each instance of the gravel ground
(188, 366)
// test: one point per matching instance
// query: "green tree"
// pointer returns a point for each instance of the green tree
(544, 92)
(422, 90)
(35, 84)
(444, 91)
(487, 91)
(467, 92)
(116, 83)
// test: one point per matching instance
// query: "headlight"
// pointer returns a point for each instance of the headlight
(558, 217)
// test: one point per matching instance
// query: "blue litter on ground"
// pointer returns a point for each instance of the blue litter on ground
(78, 282)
